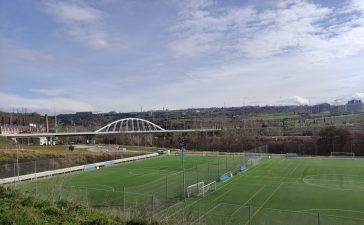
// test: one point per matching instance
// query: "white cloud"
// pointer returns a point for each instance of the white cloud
(80, 22)
(34, 55)
(10, 48)
(298, 100)
(48, 92)
(8, 101)
(359, 95)
(69, 12)
(292, 27)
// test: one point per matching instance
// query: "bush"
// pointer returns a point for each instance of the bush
(52, 211)
(28, 201)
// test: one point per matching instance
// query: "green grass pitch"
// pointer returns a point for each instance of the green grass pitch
(276, 191)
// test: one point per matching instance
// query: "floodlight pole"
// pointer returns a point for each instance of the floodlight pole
(183, 146)
(17, 159)
(184, 175)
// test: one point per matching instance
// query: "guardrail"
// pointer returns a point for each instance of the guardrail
(72, 169)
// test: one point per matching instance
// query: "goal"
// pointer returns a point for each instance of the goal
(209, 187)
(195, 189)
(343, 154)
(200, 189)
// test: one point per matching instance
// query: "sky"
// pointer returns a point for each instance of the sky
(111, 55)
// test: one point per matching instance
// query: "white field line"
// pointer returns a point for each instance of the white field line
(240, 206)
(342, 217)
(322, 185)
(270, 196)
(253, 178)
(340, 210)
(329, 181)
(91, 186)
(201, 217)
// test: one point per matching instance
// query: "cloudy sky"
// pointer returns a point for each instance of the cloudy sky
(104, 55)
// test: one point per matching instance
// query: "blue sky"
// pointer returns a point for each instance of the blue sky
(106, 55)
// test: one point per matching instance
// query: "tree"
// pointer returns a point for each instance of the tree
(334, 135)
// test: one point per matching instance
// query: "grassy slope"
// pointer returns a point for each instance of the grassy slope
(31, 153)
(17, 208)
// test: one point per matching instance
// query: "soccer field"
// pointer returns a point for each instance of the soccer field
(276, 191)
(283, 191)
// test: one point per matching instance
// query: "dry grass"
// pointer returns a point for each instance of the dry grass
(8, 153)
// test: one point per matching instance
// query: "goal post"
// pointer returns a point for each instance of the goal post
(253, 156)
(195, 189)
(209, 187)
(343, 154)
(200, 189)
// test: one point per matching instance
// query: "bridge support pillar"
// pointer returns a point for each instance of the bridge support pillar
(90, 139)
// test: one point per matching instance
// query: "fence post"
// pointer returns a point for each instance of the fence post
(88, 205)
(166, 187)
(249, 215)
(60, 192)
(226, 162)
(208, 171)
(49, 166)
(318, 219)
(197, 174)
(124, 199)
(152, 204)
(218, 167)
(35, 173)
(181, 184)
(14, 174)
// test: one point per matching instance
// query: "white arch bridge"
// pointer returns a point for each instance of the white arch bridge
(122, 126)
(131, 125)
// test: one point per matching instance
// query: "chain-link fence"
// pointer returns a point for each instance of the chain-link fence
(36, 166)
(231, 214)
(159, 193)
(315, 149)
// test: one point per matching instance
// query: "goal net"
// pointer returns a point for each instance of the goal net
(343, 154)
(200, 189)
(254, 161)
(254, 156)
(195, 189)
(209, 187)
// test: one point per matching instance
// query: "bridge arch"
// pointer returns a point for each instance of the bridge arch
(130, 125)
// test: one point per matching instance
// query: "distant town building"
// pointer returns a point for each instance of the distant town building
(83, 113)
(354, 106)
(321, 108)
(40, 141)
(13, 129)
(337, 109)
